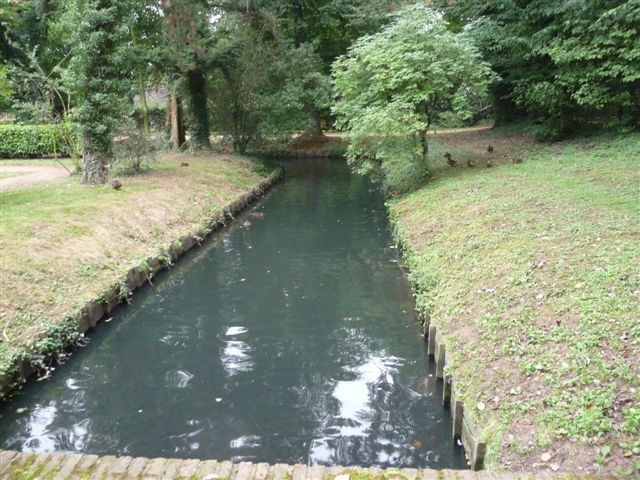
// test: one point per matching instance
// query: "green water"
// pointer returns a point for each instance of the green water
(291, 339)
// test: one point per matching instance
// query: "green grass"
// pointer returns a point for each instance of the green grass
(531, 272)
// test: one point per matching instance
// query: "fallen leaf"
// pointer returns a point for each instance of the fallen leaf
(417, 444)
(545, 457)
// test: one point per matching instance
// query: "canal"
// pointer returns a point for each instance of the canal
(290, 337)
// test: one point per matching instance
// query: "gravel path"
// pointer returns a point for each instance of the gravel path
(29, 176)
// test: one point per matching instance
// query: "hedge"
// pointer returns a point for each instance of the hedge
(29, 141)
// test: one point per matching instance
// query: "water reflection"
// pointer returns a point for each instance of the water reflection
(178, 378)
(288, 341)
(236, 357)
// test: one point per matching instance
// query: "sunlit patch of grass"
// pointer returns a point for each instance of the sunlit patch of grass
(532, 275)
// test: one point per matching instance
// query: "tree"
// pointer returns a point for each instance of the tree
(566, 64)
(6, 89)
(262, 85)
(392, 85)
(146, 33)
(189, 41)
(99, 79)
(328, 27)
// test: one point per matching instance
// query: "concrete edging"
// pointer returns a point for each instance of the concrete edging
(61, 466)
(97, 309)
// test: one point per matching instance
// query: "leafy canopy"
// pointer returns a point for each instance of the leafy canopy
(566, 64)
(391, 86)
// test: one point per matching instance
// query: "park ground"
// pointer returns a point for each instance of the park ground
(531, 273)
(63, 243)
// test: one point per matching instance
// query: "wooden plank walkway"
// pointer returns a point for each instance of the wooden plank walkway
(58, 466)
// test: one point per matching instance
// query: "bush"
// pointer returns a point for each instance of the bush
(135, 150)
(30, 141)
(157, 116)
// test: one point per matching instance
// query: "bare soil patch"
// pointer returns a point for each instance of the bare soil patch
(26, 176)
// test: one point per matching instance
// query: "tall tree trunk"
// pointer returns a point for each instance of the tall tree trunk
(142, 91)
(95, 162)
(143, 102)
(424, 143)
(315, 130)
(196, 84)
(98, 72)
(176, 125)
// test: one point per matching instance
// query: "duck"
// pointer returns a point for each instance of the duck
(450, 161)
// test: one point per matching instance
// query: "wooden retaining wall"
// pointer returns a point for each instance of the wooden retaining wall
(463, 428)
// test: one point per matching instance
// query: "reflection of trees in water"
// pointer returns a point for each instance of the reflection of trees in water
(370, 419)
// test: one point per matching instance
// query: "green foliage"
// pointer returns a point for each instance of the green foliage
(30, 141)
(631, 422)
(191, 48)
(392, 85)
(136, 150)
(266, 87)
(99, 70)
(566, 64)
(157, 116)
(332, 25)
(6, 89)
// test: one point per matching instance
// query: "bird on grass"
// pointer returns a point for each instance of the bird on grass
(517, 160)
(489, 164)
(184, 164)
(490, 148)
(116, 184)
(470, 163)
(450, 161)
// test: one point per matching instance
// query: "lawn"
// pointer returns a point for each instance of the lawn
(63, 243)
(532, 275)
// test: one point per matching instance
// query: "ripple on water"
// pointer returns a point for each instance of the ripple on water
(178, 378)
(231, 331)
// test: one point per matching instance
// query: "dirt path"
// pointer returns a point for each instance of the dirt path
(28, 176)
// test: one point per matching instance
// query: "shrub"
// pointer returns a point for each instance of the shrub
(135, 150)
(157, 116)
(30, 141)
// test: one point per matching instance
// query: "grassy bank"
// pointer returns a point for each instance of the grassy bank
(63, 243)
(531, 272)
